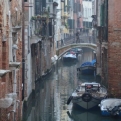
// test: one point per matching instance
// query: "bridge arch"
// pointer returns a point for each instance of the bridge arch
(64, 49)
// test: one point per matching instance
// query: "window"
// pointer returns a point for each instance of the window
(38, 7)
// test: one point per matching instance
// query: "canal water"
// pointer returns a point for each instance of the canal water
(52, 92)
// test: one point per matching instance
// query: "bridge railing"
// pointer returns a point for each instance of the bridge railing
(82, 39)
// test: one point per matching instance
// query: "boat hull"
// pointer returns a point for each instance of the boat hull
(89, 70)
(69, 57)
(86, 105)
(88, 95)
(106, 113)
(110, 107)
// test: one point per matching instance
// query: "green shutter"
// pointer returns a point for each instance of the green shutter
(102, 15)
(71, 23)
(43, 3)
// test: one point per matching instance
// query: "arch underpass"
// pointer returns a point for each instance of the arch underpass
(64, 49)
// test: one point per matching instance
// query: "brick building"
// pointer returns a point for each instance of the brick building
(109, 43)
(114, 47)
(39, 46)
(10, 60)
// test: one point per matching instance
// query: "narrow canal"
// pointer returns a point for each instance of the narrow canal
(52, 92)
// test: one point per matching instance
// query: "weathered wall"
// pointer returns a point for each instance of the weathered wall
(114, 47)
(6, 82)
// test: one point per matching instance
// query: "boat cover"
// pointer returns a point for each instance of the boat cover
(93, 61)
(87, 64)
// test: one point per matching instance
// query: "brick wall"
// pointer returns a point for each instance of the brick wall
(6, 82)
(114, 47)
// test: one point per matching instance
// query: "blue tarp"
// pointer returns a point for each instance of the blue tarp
(93, 61)
(89, 63)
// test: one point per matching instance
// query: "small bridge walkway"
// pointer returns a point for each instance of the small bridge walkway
(60, 51)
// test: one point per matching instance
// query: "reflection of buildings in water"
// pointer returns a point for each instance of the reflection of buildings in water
(82, 116)
(69, 63)
(87, 55)
(77, 114)
(92, 115)
(86, 78)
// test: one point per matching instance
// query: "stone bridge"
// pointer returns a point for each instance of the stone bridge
(64, 49)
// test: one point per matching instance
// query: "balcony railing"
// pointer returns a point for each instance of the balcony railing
(43, 26)
(65, 15)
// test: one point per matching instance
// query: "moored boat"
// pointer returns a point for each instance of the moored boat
(77, 50)
(70, 55)
(88, 68)
(88, 95)
(110, 107)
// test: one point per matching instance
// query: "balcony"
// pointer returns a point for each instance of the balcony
(35, 39)
(5, 102)
(42, 17)
(79, 14)
(94, 21)
(65, 15)
(14, 65)
(55, 3)
(8, 100)
(62, 0)
(16, 28)
(51, 6)
(105, 45)
(3, 72)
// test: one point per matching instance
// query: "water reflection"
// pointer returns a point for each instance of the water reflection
(94, 115)
(49, 100)
(86, 78)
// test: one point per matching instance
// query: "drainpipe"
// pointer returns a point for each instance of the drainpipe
(23, 51)
(107, 40)
(18, 104)
(14, 88)
(13, 112)
(10, 39)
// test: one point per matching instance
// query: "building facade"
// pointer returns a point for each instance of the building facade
(114, 48)
(87, 15)
(107, 23)
(10, 62)
(39, 44)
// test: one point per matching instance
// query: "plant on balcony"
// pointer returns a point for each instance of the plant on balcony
(37, 31)
(48, 9)
(55, 3)
(34, 18)
(66, 25)
(68, 6)
(65, 15)
(38, 17)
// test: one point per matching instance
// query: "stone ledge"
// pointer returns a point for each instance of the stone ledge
(105, 45)
(3, 72)
(14, 65)
(8, 100)
(5, 102)
(12, 95)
